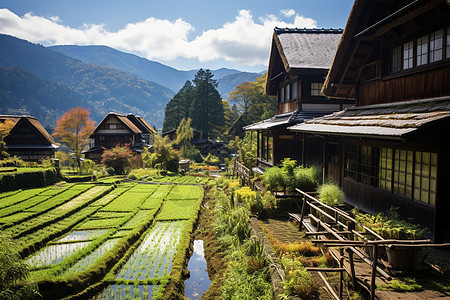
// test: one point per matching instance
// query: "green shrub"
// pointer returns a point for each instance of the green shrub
(30, 179)
(251, 199)
(298, 280)
(274, 179)
(306, 179)
(331, 194)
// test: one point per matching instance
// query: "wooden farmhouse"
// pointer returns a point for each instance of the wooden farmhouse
(116, 129)
(299, 61)
(394, 151)
(28, 139)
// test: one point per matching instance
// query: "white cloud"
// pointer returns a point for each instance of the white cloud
(242, 41)
(287, 12)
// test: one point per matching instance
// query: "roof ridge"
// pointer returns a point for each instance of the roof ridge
(307, 30)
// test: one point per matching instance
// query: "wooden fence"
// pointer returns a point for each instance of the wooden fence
(336, 228)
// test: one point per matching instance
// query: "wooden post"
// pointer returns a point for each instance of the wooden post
(341, 274)
(350, 227)
(374, 272)
(303, 149)
(302, 214)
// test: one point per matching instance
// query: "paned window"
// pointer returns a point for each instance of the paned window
(287, 92)
(408, 55)
(412, 174)
(403, 172)
(425, 177)
(422, 51)
(294, 90)
(395, 59)
(316, 88)
(436, 45)
(351, 161)
(447, 55)
(385, 169)
(369, 165)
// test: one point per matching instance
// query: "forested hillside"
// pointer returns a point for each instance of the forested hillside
(101, 89)
(150, 70)
(24, 93)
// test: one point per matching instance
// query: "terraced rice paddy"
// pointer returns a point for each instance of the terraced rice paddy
(129, 233)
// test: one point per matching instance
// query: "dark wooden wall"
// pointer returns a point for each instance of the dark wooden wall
(419, 85)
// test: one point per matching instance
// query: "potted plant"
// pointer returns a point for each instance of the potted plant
(390, 226)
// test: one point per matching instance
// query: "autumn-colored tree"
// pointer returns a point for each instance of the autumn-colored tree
(118, 157)
(5, 128)
(253, 101)
(74, 128)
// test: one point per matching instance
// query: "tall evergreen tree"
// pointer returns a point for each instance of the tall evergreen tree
(206, 109)
(178, 107)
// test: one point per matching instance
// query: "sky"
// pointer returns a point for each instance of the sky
(182, 34)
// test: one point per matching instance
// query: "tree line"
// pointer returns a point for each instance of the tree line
(212, 116)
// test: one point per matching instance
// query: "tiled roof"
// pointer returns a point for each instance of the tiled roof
(308, 48)
(386, 120)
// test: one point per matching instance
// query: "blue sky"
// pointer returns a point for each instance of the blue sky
(182, 34)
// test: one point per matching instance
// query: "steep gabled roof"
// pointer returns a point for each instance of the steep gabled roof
(141, 124)
(123, 119)
(20, 120)
(297, 50)
(12, 118)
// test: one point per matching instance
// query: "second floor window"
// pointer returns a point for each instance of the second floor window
(408, 54)
(436, 45)
(422, 50)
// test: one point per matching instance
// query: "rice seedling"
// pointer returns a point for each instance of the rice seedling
(53, 254)
(90, 260)
(81, 235)
(149, 260)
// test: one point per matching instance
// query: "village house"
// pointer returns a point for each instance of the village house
(28, 139)
(117, 129)
(299, 61)
(394, 61)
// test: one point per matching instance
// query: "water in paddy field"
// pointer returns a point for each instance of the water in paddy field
(198, 282)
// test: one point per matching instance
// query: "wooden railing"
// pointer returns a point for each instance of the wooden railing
(340, 231)
(242, 172)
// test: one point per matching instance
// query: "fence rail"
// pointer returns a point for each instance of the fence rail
(242, 172)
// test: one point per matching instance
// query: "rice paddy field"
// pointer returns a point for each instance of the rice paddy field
(117, 240)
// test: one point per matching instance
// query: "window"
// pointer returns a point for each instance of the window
(294, 90)
(369, 165)
(287, 92)
(422, 51)
(408, 54)
(385, 169)
(282, 95)
(395, 59)
(403, 170)
(447, 51)
(436, 39)
(351, 161)
(316, 88)
(425, 176)
(101, 138)
(412, 174)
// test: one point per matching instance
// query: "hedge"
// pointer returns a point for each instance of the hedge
(31, 179)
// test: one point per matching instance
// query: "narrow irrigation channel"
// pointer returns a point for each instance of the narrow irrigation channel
(199, 281)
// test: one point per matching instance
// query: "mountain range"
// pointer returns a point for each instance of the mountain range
(99, 78)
